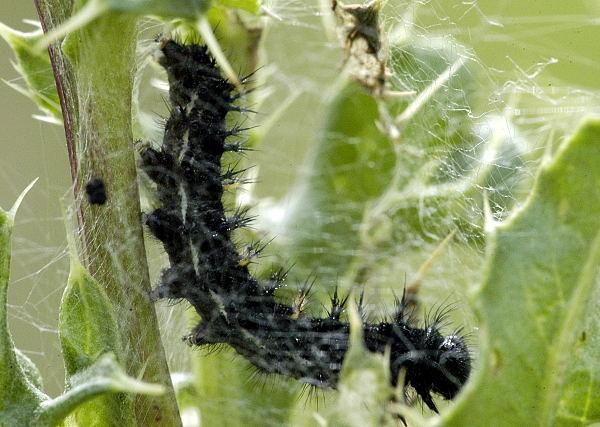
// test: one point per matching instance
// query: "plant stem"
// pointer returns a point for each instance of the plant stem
(95, 86)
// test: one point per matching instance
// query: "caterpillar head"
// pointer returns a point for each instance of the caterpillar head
(435, 363)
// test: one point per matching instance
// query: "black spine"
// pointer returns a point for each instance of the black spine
(208, 271)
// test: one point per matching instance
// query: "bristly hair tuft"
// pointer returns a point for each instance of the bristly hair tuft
(338, 306)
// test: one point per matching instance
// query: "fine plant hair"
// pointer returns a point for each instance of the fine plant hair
(207, 269)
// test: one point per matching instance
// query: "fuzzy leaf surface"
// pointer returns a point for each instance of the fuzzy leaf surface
(88, 328)
(19, 379)
(538, 304)
(104, 376)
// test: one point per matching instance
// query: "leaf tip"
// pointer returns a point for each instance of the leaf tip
(13, 211)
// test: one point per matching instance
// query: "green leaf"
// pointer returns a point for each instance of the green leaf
(351, 165)
(88, 328)
(19, 384)
(538, 304)
(104, 376)
(34, 66)
(87, 323)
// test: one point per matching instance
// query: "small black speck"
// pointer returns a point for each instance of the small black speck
(96, 191)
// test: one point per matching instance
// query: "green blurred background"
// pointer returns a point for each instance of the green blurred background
(512, 39)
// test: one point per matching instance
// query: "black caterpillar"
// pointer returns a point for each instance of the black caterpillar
(207, 270)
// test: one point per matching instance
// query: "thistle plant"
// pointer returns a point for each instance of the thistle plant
(400, 191)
